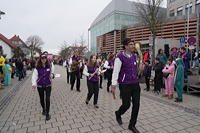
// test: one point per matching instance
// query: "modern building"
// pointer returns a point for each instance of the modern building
(116, 15)
(7, 46)
(181, 8)
(169, 30)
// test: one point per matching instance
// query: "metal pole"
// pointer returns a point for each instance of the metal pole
(188, 20)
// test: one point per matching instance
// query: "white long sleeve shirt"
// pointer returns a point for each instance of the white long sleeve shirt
(35, 75)
(106, 65)
(116, 70)
(85, 71)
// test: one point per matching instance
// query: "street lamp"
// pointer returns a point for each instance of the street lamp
(1, 13)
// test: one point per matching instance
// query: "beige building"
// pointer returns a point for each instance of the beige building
(179, 8)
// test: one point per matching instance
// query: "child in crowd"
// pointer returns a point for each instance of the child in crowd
(147, 74)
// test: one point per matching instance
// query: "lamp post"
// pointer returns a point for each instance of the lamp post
(1, 13)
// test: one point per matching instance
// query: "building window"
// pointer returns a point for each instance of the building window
(171, 13)
(197, 7)
(180, 11)
(190, 9)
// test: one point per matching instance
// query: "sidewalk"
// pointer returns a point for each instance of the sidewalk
(70, 114)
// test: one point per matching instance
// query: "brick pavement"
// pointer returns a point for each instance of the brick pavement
(70, 114)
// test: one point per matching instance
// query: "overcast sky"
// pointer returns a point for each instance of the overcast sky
(55, 21)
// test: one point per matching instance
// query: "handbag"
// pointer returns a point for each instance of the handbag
(165, 75)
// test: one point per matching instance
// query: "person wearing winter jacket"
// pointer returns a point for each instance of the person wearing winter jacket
(147, 74)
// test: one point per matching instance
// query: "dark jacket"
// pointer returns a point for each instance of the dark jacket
(147, 71)
(158, 71)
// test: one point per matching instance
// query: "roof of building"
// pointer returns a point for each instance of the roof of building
(17, 38)
(7, 41)
(116, 6)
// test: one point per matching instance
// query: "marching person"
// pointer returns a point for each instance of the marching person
(75, 70)
(100, 62)
(125, 73)
(109, 65)
(92, 71)
(41, 79)
(68, 69)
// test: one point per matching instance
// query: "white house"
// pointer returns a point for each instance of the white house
(7, 46)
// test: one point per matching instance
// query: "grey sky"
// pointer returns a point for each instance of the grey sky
(55, 21)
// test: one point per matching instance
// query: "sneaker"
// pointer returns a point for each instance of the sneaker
(118, 118)
(178, 100)
(133, 128)
(48, 117)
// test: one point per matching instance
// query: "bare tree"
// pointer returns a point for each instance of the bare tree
(151, 15)
(82, 40)
(34, 43)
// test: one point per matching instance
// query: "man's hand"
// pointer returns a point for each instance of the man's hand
(52, 76)
(113, 91)
(34, 87)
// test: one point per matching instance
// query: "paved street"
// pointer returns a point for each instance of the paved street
(70, 114)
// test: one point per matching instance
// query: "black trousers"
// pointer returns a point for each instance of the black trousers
(93, 89)
(147, 81)
(109, 77)
(101, 80)
(128, 93)
(68, 75)
(158, 84)
(45, 103)
(75, 76)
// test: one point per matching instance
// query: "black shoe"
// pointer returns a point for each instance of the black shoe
(87, 102)
(43, 112)
(48, 117)
(133, 128)
(96, 106)
(79, 90)
(118, 118)
(178, 100)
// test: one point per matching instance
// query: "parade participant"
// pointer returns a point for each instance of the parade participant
(168, 75)
(68, 69)
(125, 73)
(174, 52)
(179, 79)
(100, 62)
(186, 60)
(92, 71)
(2, 63)
(7, 73)
(162, 57)
(75, 70)
(147, 74)
(109, 65)
(41, 79)
(158, 79)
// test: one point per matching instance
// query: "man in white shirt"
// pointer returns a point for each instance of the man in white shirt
(125, 74)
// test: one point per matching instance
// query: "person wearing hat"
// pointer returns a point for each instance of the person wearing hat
(41, 79)
(125, 74)
(174, 53)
